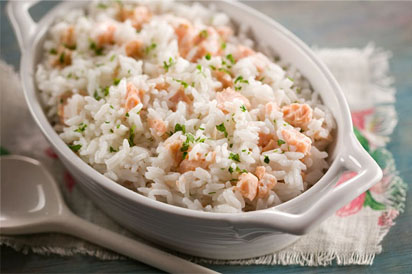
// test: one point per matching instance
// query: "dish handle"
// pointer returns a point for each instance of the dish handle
(23, 24)
(354, 158)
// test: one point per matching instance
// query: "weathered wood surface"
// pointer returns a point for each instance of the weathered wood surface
(325, 24)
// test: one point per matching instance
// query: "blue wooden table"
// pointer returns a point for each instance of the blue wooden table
(325, 24)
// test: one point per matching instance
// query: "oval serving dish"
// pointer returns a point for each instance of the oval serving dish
(213, 235)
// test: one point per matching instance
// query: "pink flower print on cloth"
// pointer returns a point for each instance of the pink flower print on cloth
(356, 205)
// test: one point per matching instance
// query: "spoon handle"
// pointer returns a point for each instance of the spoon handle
(157, 258)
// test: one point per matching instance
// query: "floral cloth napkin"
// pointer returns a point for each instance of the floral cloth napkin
(352, 236)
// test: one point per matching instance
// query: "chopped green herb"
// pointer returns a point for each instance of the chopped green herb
(281, 142)
(71, 47)
(243, 108)
(201, 128)
(231, 145)
(266, 160)
(301, 130)
(179, 127)
(127, 114)
(148, 49)
(298, 90)
(224, 70)
(106, 91)
(184, 147)
(111, 149)
(261, 79)
(208, 56)
(75, 148)
(203, 34)
(199, 67)
(81, 128)
(167, 65)
(213, 192)
(222, 128)
(184, 155)
(111, 131)
(223, 45)
(190, 137)
(96, 95)
(183, 83)
(107, 122)
(111, 107)
(230, 169)
(118, 126)
(112, 58)
(291, 79)
(69, 75)
(97, 50)
(131, 135)
(212, 67)
(240, 170)
(230, 58)
(200, 140)
(234, 156)
(61, 58)
(243, 150)
(241, 80)
(116, 81)
(53, 51)
(102, 6)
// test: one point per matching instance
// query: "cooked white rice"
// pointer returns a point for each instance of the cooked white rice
(85, 98)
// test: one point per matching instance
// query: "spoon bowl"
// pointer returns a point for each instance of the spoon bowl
(32, 203)
(30, 199)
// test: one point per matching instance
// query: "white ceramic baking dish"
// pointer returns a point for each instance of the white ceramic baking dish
(213, 235)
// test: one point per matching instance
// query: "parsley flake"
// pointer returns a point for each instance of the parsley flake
(222, 128)
(208, 56)
(61, 58)
(106, 91)
(281, 142)
(75, 148)
(266, 160)
(243, 108)
(230, 58)
(81, 128)
(97, 50)
(183, 83)
(179, 127)
(167, 65)
(116, 81)
(96, 95)
(203, 34)
(235, 157)
(150, 48)
(131, 135)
